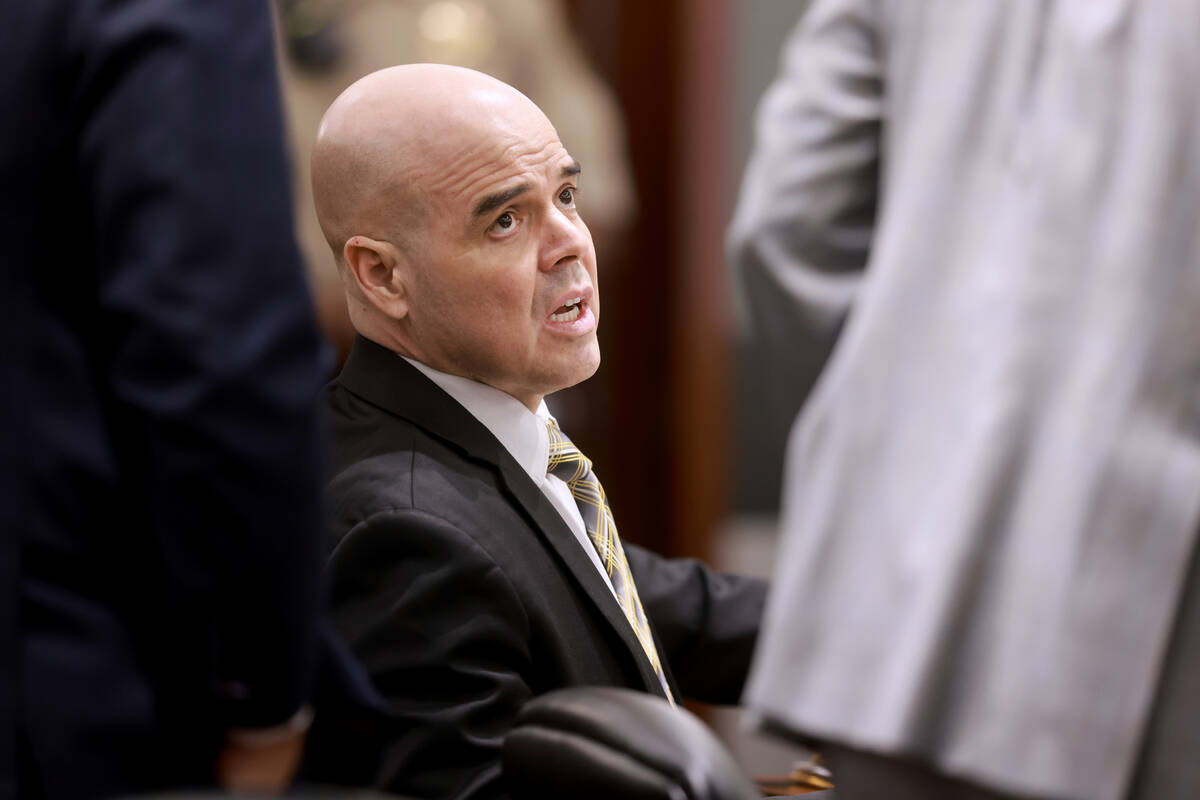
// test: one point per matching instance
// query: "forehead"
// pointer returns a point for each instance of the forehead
(494, 157)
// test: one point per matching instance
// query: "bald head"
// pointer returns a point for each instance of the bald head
(385, 140)
(449, 203)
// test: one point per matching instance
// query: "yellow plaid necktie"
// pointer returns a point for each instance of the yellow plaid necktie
(570, 465)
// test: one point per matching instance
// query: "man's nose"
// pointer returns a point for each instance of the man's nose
(565, 239)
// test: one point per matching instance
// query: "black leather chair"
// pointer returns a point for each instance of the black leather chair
(594, 743)
(599, 743)
(299, 793)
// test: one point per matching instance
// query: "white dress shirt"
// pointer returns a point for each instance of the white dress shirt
(523, 434)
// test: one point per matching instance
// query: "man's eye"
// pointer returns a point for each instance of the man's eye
(566, 196)
(505, 221)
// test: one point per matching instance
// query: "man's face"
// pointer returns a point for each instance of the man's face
(504, 285)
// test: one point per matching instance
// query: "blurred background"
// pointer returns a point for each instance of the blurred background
(656, 100)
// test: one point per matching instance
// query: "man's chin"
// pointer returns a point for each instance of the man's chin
(584, 369)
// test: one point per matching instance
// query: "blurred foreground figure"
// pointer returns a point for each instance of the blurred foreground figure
(159, 557)
(985, 215)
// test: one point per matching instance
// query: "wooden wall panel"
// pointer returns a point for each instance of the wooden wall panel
(665, 326)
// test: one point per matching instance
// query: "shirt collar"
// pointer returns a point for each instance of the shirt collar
(521, 431)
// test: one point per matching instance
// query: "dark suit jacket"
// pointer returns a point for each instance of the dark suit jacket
(462, 590)
(159, 450)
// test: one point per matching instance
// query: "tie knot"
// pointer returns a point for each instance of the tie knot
(565, 462)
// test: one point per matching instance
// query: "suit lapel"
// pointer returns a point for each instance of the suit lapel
(386, 380)
(560, 537)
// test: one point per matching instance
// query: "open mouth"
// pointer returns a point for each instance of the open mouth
(568, 311)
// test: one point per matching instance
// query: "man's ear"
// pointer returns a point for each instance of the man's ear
(376, 268)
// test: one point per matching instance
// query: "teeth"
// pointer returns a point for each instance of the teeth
(568, 316)
(572, 313)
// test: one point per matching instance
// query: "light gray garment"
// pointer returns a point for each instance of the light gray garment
(992, 492)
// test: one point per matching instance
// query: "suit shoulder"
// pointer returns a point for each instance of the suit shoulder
(382, 462)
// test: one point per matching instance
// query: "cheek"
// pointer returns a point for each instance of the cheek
(513, 292)
(493, 297)
(495, 320)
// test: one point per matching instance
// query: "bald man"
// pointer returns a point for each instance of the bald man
(477, 564)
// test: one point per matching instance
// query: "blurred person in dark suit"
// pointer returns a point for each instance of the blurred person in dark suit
(984, 216)
(477, 562)
(159, 558)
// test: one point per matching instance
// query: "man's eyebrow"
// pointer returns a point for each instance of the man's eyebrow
(493, 201)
